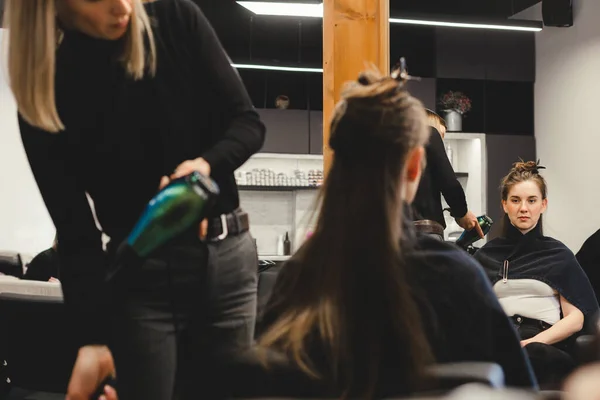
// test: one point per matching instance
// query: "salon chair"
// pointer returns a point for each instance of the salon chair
(35, 342)
(11, 264)
(586, 345)
(267, 275)
(283, 380)
(430, 228)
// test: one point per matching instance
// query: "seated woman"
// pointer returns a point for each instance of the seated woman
(539, 283)
(364, 307)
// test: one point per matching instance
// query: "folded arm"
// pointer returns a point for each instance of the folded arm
(571, 323)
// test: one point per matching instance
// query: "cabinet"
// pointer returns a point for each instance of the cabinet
(459, 53)
(287, 131)
(316, 132)
(424, 90)
(492, 55)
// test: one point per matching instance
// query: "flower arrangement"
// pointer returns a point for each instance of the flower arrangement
(456, 101)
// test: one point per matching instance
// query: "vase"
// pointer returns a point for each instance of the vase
(453, 121)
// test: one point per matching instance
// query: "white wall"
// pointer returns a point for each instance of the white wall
(567, 109)
(25, 225)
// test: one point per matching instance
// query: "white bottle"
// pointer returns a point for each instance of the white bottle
(280, 245)
(450, 154)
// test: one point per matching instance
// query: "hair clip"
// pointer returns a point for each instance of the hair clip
(538, 166)
(400, 72)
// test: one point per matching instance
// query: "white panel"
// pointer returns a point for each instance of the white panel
(566, 124)
(25, 225)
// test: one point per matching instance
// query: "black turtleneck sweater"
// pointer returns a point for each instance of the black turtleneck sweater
(123, 135)
(438, 179)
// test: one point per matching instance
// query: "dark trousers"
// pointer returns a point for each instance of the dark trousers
(187, 308)
(551, 363)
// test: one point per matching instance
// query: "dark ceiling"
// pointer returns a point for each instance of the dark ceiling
(286, 40)
(251, 38)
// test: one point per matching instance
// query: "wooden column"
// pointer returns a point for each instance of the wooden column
(355, 33)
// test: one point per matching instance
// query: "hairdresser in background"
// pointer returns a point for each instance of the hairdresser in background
(439, 179)
(117, 97)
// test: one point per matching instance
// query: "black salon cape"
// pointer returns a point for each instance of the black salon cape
(534, 256)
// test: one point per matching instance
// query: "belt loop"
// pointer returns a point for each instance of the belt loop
(224, 228)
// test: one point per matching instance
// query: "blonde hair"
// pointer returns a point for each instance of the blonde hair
(33, 38)
(436, 122)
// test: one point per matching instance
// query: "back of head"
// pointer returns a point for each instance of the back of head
(34, 36)
(347, 289)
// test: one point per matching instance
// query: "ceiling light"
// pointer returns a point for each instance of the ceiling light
(277, 68)
(527, 27)
(286, 9)
(308, 9)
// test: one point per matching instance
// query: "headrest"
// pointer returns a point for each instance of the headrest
(9, 284)
(11, 263)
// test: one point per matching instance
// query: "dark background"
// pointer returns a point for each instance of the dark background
(496, 69)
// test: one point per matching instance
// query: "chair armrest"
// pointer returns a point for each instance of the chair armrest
(30, 298)
(585, 349)
(452, 375)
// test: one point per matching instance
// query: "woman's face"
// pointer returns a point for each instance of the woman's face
(103, 19)
(524, 205)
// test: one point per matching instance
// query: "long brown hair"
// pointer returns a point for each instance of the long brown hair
(522, 172)
(346, 290)
(33, 37)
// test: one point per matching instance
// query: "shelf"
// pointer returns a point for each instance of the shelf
(276, 188)
(317, 157)
(273, 258)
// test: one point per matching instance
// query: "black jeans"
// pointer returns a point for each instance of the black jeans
(551, 363)
(185, 309)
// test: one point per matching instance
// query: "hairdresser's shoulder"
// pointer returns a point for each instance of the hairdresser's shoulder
(183, 9)
(445, 261)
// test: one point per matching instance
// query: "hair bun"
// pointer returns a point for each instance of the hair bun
(527, 166)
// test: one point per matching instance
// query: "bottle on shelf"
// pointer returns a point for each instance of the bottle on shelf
(287, 245)
(450, 154)
(280, 245)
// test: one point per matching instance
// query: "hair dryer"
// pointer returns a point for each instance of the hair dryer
(178, 206)
(467, 238)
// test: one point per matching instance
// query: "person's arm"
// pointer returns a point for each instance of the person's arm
(81, 257)
(40, 267)
(444, 176)
(571, 323)
(244, 132)
(445, 179)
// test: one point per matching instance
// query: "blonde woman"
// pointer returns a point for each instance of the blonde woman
(115, 98)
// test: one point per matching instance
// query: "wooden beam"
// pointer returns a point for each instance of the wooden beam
(355, 33)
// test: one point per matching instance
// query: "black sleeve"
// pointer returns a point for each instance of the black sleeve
(42, 267)
(244, 133)
(81, 258)
(444, 176)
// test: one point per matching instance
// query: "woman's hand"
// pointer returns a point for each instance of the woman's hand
(93, 365)
(526, 342)
(468, 222)
(185, 168)
(189, 166)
